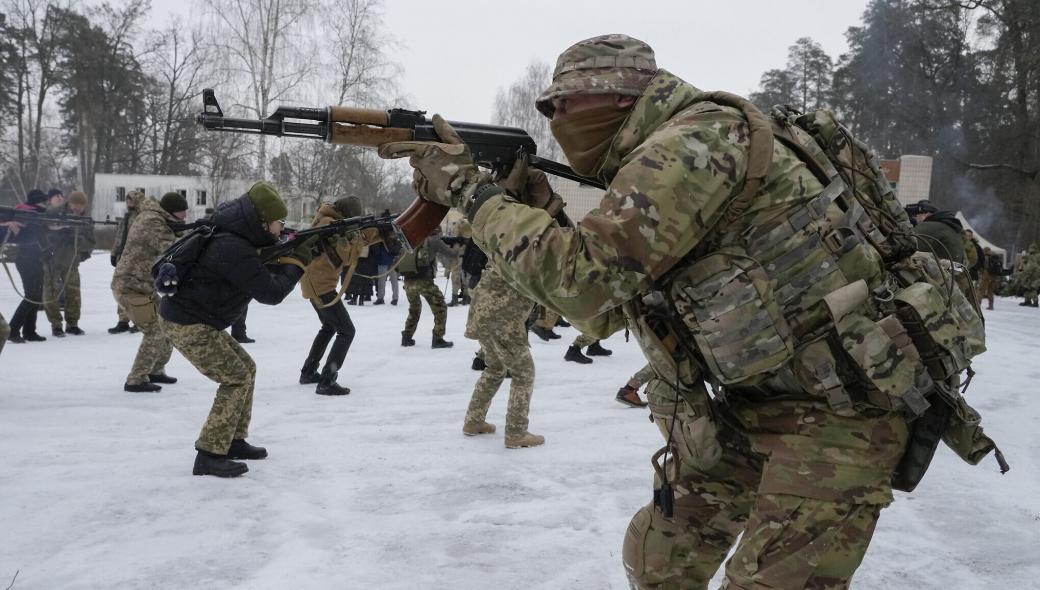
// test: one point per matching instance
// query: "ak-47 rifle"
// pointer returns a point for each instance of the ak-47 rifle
(492, 146)
(291, 238)
(26, 217)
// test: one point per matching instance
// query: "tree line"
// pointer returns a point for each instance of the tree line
(955, 80)
(89, 90)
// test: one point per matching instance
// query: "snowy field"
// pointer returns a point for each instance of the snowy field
(380, 489)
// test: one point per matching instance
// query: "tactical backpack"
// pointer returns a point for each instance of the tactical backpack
(833, 293)
(175, 264)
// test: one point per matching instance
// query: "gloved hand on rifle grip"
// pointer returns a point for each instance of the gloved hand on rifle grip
(305, 251)
(444, 171)
(528, 185)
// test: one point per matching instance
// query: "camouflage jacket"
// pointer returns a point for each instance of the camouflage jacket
(496, 307)
(122, 231)
(148, 237)
(69, 245)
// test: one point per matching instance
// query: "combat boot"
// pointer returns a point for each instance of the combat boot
(33, 338)
(475, 428)
(516, 441)
(596, 349)
(466, 299)
(406, 339)
(562, 323)
(440, 342)
(478, 364)
(162, 378)
(58, 332)
(141, 387)
(243, 339)
(544, 333)
(240, 449)
(218, 465)
(309, 377)
(1025, 303)
(379, 301)
(574, 354)
(331, 388)
(454, 301)
(630, 397)
(74, 330)
(16, 339)
(119, 328)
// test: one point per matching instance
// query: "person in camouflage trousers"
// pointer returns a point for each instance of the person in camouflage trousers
(628, 394)
(788, 464)
(1027, 278)
(133, 200)
(418, 269)
(134, 289)
(69, 247)
(497, 317)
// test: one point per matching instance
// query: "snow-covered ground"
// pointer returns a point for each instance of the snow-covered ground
(380, 489)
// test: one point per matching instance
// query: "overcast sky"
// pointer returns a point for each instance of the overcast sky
(457, 54)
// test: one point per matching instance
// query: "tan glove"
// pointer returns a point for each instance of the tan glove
(531, 186)
(444, 172)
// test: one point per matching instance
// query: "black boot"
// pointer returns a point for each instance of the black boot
(309, 377)
(574, 354)
(596, 349)
(562, 323)
(440, 342)
(478, 364)
(34, 338)
(378, 301)
(162, 378)
(544, 333)
(141, 387)
(406, 339)
(119, 328)
(74, 330)
(240, 449)
(243, 339)
(218, 465)
(58, 332)
(15, 338)
(330, 387)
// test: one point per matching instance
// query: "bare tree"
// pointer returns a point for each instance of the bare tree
(514, 106)
(264, 43)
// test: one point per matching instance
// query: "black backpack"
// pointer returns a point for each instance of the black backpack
(174, 265)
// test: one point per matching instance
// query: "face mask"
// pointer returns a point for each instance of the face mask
(585, 136)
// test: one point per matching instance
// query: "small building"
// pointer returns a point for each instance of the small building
(910, 177)
(201, 192)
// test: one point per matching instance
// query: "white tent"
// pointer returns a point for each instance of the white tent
(983, 241)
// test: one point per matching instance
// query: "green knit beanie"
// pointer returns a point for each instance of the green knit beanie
(173, 202)
(269, 206)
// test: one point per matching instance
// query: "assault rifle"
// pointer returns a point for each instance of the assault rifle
(64, 219)
(492, 146)
(291, 238)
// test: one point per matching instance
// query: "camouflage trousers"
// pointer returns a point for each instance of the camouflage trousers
(504, 351)
(643, 375)
(5, 331)
(584, 340)
(803, 522)
(416, 290)
(220, 358)
(154, 351)
(457, 287)
(54, 284)
(547, 318)
(121, 313)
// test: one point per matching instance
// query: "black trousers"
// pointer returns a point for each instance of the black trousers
(238, 329)
(334, 321)
(23, 322)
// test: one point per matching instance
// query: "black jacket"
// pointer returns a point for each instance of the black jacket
(32, 239)
(229, 272)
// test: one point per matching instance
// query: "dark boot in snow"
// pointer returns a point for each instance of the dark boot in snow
(218, 465)
(119, 328)
(595, 349)
(574, 354)
(478, 364)
(407, 340)
(141, 387)
(162, 378)
(240, 449)
(440, 342)
(331, 388)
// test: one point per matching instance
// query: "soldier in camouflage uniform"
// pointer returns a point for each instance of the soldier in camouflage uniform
(496, 319)
(134, 289)
(1027, 279)
(133, 200)
(69, 247)
(787, 462)
(453, 271)
(418, 270)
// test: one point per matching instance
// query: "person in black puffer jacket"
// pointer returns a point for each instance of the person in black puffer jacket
(226, 277)
(29, 262)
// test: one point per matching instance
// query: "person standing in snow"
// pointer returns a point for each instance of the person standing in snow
(227, 275)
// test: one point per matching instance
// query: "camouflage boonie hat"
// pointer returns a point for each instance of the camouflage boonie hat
(608, 64)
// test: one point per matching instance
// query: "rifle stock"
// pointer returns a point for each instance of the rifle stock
(492, 146)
